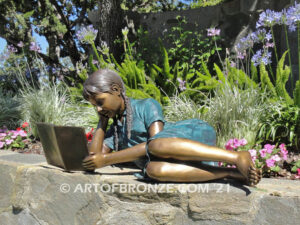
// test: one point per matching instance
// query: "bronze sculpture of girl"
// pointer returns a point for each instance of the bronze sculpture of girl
(175, 152)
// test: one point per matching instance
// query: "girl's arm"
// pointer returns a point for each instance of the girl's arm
(126, 155)
(97, 145)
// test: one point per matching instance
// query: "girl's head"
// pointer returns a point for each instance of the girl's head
(105, 90)
(102, 81)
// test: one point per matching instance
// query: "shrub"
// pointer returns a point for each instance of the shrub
(232, 112)
(10, 110)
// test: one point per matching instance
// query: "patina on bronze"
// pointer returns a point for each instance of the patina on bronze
(64, 146)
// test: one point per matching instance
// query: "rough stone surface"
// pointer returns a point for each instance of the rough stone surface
(33, 194)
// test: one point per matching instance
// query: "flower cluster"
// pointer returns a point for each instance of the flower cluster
(235, 143)
(87, 34)
(267, 19)
(34, 47)
(269, 158)
(289, 17)
(261, 56)
(13, 138)
(182, 86)
(213, 32)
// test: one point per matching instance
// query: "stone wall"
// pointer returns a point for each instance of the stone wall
(32, 193)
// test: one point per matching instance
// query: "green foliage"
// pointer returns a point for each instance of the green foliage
(281, 125)
(10, 115)
(232, 112)
(205, 3)
(51, 103)
(187, 46)
(297, 94)
(55, 20)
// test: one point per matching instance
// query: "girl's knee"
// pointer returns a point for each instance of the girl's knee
(153, 170)
(155, 146)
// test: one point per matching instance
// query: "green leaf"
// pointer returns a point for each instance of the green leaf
(28, 14)
(297, 164)
(294, 169)
(275, 168)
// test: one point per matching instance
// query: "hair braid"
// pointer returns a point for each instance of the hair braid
(116, 138)
(128, 115)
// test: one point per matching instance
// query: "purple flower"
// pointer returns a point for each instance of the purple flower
(232, 64)
(34, 47)
(243, 142)
(20, 44)
(11, 49)
(181, 84)
(1, 144)
(261, 57)
(213, 32)
(292, 16)
(269, 18)
(241, 55)
(257, 57)
(95, 62)
(270, 162)
(87, 34)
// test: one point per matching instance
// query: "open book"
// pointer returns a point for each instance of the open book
(64, 146)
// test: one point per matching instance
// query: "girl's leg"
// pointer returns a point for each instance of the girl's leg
(184, 149)
(165, 171)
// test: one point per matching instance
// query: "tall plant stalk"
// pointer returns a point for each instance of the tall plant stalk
(298, 26)
(275, 47)
(289, 53)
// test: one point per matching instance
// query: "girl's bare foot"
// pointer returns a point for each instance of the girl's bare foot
(247, 169)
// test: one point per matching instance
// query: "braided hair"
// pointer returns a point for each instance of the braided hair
(101, 81)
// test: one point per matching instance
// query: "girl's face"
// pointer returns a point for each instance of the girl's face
(108, 104)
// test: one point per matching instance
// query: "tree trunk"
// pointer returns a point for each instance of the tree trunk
(110, 24)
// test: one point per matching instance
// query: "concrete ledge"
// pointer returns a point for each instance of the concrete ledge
(36, 193)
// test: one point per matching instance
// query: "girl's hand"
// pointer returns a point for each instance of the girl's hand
(93, 161)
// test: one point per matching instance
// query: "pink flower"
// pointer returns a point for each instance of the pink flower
(269, 148)
(298, 171)
(229, 144)
(253, 154)
(3, 134)
(275, 158)
(243, 142)
(270, 162)
(22, 133)
(8, 141)
(236, 143)
(220, 163)
(1, 144)
(282, 146)
(283, 151)
(263, 152)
